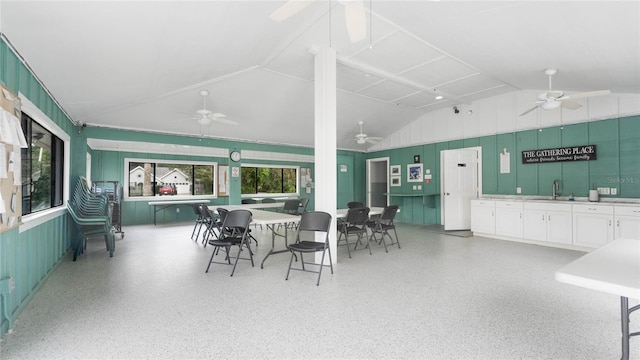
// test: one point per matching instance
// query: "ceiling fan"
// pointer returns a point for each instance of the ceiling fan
(353, 12)
(362, 138)
(205, 116)
(554, 99)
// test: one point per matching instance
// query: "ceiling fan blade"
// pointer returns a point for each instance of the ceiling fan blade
(356, 20)
(218, 115)
(528, 111)
(371, 140)
(289, 9)
(587, 94)
(568, 104)
(225, 121)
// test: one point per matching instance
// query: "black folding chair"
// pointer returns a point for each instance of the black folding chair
(383, 224)
(235, 232)
(311, 223)
(355, 224)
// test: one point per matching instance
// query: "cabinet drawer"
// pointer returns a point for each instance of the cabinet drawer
(593, 209)
(509, 204)
(483, 203)
(547, 206)
(627, 210)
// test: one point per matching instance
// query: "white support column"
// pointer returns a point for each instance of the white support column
(325, 140)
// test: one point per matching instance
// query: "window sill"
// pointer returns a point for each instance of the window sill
(33, 220)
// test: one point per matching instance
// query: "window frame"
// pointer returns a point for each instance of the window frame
(34, 219)
(278, 166)
(125, 181)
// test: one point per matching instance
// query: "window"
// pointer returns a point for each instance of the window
(160, 178)
(269, 180)
(42, 168)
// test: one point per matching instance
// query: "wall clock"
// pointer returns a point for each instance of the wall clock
(235, 156)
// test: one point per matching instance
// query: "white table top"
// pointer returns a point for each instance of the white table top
(372, 211)
(262, 217)
(614, 268)
(254, 206)
(171, 202)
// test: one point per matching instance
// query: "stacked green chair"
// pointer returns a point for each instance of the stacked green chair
(92, 213)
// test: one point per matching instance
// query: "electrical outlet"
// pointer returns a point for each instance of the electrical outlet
(614, 191)
(605, 191)
(518, 190)
(177, 210)
(419, 187)
(415, 187)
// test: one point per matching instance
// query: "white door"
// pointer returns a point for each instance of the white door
(460, 185)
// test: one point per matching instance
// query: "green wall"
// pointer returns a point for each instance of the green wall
(109, 165)
(617, 166)
(31, 255)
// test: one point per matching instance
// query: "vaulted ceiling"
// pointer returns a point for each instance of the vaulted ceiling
(141, 65)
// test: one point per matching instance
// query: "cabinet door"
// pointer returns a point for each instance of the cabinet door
(535, 225)
(509, 222)
(482, 219)
(592, 230)
(627, 227)
(559, 229)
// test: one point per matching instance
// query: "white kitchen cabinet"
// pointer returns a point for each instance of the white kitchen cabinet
(483, 216)
(548, 222)
(592, 224)
(627, 222)
(509, 220)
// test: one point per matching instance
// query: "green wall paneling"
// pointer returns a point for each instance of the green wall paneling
(345, 182)
(526, 174)
(471, 142)
(11, 70)
(548, 138)
(506, 182)
(456, 144)
(429, 162)
(3, 59)
(490, 159)
(29, 257)
(359, 176)
(574, 177)
(436, 177)
(629, 179)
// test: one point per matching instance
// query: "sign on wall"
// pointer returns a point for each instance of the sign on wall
(569, 153)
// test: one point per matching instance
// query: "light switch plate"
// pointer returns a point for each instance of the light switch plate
(614, 191)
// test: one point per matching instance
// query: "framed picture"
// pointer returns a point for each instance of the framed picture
(416, 159)
(414, 173)
(395, 170)
(396, 181)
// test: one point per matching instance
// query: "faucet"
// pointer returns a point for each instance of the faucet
(556, 189)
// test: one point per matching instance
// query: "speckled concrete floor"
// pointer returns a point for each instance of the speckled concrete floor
(439, 297)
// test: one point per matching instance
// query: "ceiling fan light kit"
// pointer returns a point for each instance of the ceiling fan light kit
(363, 138)
(204, 116)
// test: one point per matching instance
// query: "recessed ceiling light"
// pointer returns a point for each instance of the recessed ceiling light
(439, 97)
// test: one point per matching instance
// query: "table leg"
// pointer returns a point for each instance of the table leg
(272, 227)
(624, 318)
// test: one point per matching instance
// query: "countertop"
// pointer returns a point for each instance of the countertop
(563, 199)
